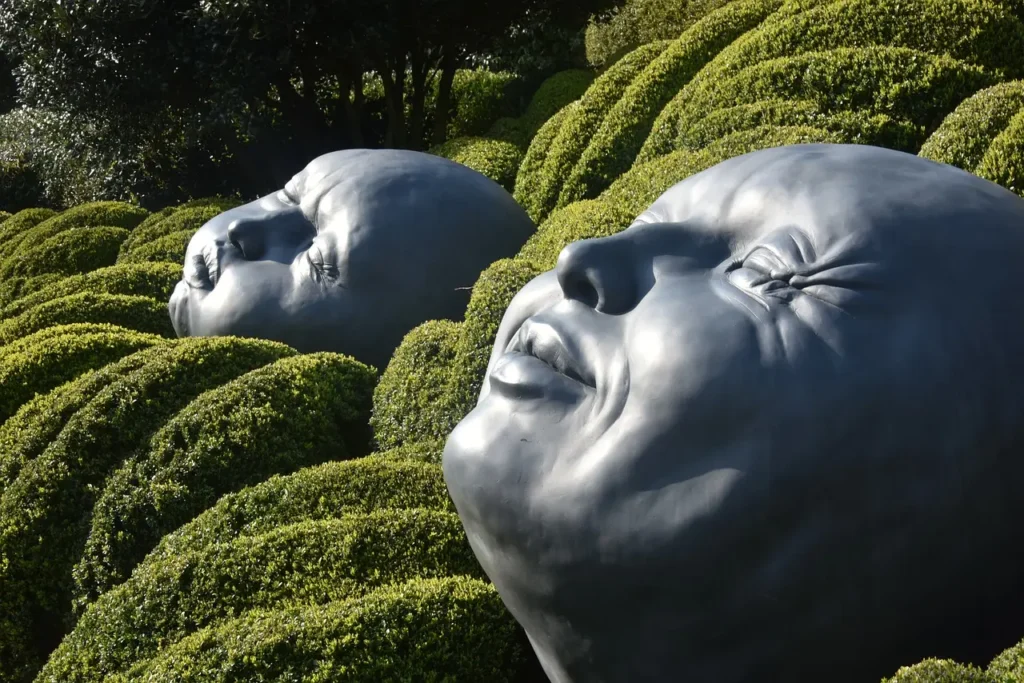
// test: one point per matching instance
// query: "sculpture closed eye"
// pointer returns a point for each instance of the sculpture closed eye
(819, 487)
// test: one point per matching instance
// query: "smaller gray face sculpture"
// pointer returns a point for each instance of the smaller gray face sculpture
(770, 432)
(357, 249)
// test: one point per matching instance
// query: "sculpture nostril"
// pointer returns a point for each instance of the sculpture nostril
(597, 273)
(247, 236)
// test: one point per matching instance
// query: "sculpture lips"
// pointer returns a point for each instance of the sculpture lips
(541, 340)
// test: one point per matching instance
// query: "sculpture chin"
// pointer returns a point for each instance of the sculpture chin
(178, 307)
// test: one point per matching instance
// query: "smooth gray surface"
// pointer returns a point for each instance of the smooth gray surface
(356, 250)
(771, 432)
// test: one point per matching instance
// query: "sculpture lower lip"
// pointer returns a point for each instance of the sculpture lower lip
(521, 375)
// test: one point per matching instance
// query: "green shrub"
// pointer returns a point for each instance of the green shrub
(976, 31)
(637, 190)
(139, 313)
(306, 563)
(424, 451)
(409, 401)
(553, 95)
(92, 215)
(154, 280)
(30, 430)
(45, 511)
(14, 288)
(901, 83)
(167, 249)
(939, 671)
(71, 252)
(187, 217)
(851, 126)
(966, 134)
(528, 176)
(38, 363)
(1003, 162)
(578, 221)
(496, 159)
(12, 229)
(509, 129)
(376, 482)
(613, 148)
(296, 412)
(4, 215)
(455, 627)
(480, 98)
(581, 123)
(1008, 666)
(20, 185)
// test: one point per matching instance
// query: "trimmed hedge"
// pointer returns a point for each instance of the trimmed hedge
(4, 215)
(480, 97)
(15, 288)
(154, 280)
(940, 671)
(296, 412)
(979, 32)
(1009, 665)
(376, 482)
(71, 252)
(44, 360)
(139, 313)
(899, 82)
(529, 170)
(638, 189)
(189, 216)
(44, 513)
(966, 134)
(496, 159)
(580, 124)
(409, 401)
(852, 126)
(306, 563)
(1003, 163)
(13, 229)
(613, 148)
(557, 91)
(424, 451)
(453, 629)
(167, 249)
(579, 221)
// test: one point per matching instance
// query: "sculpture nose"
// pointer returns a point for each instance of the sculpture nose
(597, 273)
(257, 234)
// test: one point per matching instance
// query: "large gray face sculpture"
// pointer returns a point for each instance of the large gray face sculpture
(768, 433)
(356, 250)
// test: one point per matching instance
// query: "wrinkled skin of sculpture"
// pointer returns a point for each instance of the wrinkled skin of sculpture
(356, 250)
(768, 433)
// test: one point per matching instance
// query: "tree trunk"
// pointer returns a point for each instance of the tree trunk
(449, 63)
(348, 108)
(420, 69)
(394, 96)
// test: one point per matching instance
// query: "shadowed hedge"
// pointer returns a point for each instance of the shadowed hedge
(552, 96)
(71, 252)
(455, 625)
(578, 221)
(13, 229)
(45, 511)
(39, 362)
(306, 563)
(496, 159)
(153, 280)
(189, 216)
(140, 313)
(296, 412)
(623, 130)
(166, 249)
(533, 161)
(15, 288)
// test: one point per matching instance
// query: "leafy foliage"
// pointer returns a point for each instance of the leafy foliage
(140, 313)
(71, 252)
(496, 159)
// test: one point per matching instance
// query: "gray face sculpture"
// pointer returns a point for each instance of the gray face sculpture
(770, 432)
(356, 250)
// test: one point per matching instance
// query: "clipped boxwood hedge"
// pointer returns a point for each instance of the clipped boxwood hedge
(429, 450)
(71, 252)
(453, 629)
(496, 159)
(167, 249)
(4, 215)
(1003, 162)
(15, 288)
(45, 511)
(139, 313)
(578, 221)
(557, 91)
(613, 148)
(530, 168)
(154, 280)
(409, 402)
(480, 97)
(1009, 665)
(638, 189)
(581, 123)
(44, 360)
(940, 671)
(376, 482)
(296, 412)
(12, 229)
(306, 563)
(966, 134)
(188, 217)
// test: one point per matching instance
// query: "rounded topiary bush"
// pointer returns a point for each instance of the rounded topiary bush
(580, 124)
(71, 252)
(578, 221)
(187, 217)
(429, 450)
(166, 249)
(528, 175)
(966, 134)
(553, 95)
(454, 625)
(1008, 665)
(940, 671)
(12, 229)
(615, 144)
(298, 411)
(139, 313)
(480, 97)
(154, 280)
(45, 511)
(14, 288)
(1003, 162)
(305, 563)
(409, 402)
(38, 363)
(496, 159)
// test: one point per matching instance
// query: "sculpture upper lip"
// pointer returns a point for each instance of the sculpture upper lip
(542, 340)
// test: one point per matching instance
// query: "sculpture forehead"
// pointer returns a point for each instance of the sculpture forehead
(844, 196)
